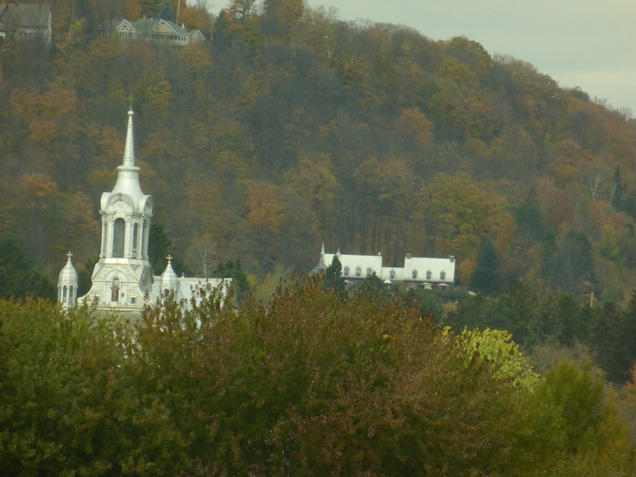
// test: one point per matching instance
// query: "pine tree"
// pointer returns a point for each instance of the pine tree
(165, 11)
(485, 278)
(333, 277)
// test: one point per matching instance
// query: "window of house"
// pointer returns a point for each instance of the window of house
(414, 273)
(369, 271)
(392, 274)
(442, 275)
(346, 270)
(358, 271)
(428, 274)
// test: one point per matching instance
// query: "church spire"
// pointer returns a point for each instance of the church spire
(129, 151)
(128, 173)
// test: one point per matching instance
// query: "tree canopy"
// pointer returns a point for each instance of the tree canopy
(318, 383)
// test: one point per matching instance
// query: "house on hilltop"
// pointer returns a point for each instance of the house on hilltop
(25, 20)
(417, 271)
(151, 30)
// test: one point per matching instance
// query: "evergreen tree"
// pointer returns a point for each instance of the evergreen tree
(573, 263)
(486, 278)
(84, 275)
(19, 276)
(373, 285)
(528, 216)
(333, 275)
(233, 270)
(159, 247)
(165, 11)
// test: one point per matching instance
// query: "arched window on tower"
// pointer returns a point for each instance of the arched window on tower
(144, 244)
(135, 240)
(104, 236)
(119, 235)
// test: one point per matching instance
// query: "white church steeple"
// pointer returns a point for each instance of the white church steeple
(123, 280)
(123, 275)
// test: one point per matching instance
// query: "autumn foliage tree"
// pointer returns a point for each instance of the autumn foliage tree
(317, 383)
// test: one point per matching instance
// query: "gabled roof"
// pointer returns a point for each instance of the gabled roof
(423, 265)
(155, 24)
(116, 24)
(147, 26)
(25, 15)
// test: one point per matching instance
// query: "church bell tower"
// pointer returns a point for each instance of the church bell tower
(123, 276)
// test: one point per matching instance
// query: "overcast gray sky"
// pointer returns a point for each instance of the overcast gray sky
(586, 43)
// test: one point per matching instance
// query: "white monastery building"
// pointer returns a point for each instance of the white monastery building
(123, 280)
(417, 271)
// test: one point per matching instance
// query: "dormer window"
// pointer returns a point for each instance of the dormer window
(428, 274)
(369, 272)
(346, 270)
(358, 271)
(442, 275)
(414, 274)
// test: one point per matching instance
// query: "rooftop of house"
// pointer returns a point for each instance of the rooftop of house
(418, 269)
(149, 25)
(24, 15)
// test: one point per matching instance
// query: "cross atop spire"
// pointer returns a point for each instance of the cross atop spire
(69, 255)
(169, 258)
(130, 101)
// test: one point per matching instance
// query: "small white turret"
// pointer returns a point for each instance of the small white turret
(169, 279)
(67, 284)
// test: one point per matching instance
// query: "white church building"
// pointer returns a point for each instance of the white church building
(123, 280)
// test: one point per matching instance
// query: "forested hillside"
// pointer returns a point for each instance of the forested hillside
(290, 127)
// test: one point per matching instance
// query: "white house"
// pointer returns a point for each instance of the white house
(419, 271)
(153, 30)
(25, 20)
